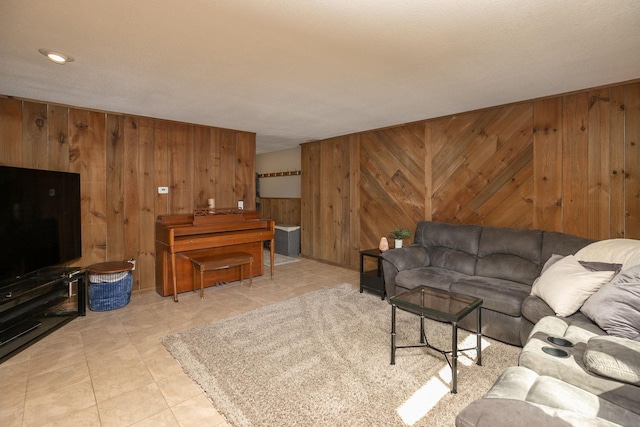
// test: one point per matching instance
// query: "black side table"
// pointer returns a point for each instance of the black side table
(372, 280)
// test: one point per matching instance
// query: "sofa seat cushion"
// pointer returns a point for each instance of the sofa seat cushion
(542, 400)
(572, 369)
(433, 277)
(614, 357)
(503, 296)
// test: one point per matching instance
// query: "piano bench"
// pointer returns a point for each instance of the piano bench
(204, 263)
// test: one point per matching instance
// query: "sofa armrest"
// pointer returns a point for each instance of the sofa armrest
(407, 258)
(535, 309)
(397, 260)
(614, 357)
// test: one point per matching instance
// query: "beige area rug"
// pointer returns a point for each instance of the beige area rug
(322, 359)
(278, 259)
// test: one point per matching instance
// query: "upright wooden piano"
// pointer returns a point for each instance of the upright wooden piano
(214, 232)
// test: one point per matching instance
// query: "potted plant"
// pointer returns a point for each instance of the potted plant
(398, 234)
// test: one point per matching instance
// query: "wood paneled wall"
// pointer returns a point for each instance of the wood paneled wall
(568, 163)
(283, 210)
(330, 225)
(122, 160)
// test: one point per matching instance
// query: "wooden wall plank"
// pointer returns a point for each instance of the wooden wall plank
(285, 211)
(331, 170)
(492, 200)
(599, 163)
(180, 146)
(354, 201)
(377, 189)
(115, 178)
(161, 163)
(227, 175)
(58, 137)
(392, 183)
(429, 142)
(144, 130)
(217, 171)
(575, 165)
(246, 169)
(632, 160)
(11, 132)
(547, 163)
(35, 150)
(311, 182)
(510, 131)
(515, 209)
(203, 180)
(87, 139)
(459, 131)
(340, 201)
(131, 213)
(503, 198)
(617, 153)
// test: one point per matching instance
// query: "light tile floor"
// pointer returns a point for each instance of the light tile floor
(109, 368)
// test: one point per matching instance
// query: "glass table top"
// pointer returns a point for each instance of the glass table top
(443, 304)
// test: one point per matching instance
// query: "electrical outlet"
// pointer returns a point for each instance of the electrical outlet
(133, 263)
(163, 190)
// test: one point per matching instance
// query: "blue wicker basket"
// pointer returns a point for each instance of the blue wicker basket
(109, 291)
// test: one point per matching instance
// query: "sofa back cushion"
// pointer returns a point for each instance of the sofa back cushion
(556, 243)
(510, 254)
(450, 246)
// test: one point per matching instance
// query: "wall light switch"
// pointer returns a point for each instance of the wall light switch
(163, 190)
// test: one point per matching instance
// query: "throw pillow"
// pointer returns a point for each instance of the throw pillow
(615, 307)
(622, 251)
(552, 260)
(589, 265)
(566, 285)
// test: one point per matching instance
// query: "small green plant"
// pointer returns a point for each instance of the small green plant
(400, 233)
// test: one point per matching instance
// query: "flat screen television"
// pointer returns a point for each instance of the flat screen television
(40, 224)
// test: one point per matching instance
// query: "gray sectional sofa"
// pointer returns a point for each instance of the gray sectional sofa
(496, 264)
(572, 303)
(595, 382)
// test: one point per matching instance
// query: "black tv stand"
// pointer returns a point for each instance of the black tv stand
(30, 307)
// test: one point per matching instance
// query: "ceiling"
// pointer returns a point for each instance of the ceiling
(300, 70)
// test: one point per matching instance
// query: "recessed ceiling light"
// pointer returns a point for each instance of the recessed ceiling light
(57, 57)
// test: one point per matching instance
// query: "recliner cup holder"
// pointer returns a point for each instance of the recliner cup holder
(556, 352)
(560, 341)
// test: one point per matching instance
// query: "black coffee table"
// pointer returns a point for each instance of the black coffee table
(442, 306)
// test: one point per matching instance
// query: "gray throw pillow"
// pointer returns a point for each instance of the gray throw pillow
(615, 307)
